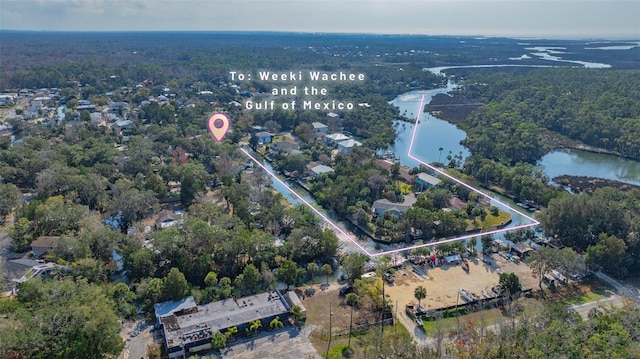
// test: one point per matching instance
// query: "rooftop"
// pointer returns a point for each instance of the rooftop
(337, 137)
(386, 205)
(214, 317)
(45, 241)
(427, 178)
(349, 143)
(321, 169)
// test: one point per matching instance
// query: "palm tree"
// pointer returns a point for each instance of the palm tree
(440, 155)
(326, 270)
(312, 269)
(420, 293)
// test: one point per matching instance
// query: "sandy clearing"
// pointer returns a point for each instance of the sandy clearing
(443, 283)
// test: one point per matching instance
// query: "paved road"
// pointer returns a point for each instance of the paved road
(136, 347)
(584, 309)
(289, 343)
(633, 293)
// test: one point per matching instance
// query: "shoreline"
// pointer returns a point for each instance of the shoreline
(454, 108)
(586, 184)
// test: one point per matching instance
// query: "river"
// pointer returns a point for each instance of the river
(434, 133)
(436, 139)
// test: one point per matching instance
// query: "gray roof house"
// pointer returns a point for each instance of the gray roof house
(264, 137)
(320, 169)
(319, 127)
(345, 146)
(382, 205)
(43, 244)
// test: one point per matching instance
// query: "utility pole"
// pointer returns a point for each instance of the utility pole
(384, 308)
(330, 316)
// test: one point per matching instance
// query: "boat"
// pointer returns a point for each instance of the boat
(466, 295)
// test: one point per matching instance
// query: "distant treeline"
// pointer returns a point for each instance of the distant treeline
(598, 107)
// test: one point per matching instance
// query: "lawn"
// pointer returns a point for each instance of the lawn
(583, 298)
(589, 290)
(405, 188)
(488, 317)
(490, 221)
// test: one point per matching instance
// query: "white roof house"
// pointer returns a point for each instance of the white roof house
(334, 138)
(345, 146)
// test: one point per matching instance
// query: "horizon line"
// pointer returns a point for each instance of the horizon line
(330, 33)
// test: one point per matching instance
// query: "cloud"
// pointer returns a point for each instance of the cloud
(570, 18)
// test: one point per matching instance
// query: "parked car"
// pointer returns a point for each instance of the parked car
(346, 290)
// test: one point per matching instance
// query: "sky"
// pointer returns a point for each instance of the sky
(568, 19)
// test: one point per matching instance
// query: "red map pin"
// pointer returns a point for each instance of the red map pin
(218, 125)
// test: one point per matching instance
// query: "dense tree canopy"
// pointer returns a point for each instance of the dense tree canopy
(59, 319)
(599, 108)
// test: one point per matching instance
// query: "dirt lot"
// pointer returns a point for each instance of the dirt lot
(326, 299)
(443, 283)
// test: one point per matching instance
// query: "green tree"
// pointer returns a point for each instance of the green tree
(276, 323)
(61, 319)
(230, 332)
(312, 270)
(9, 199)
(296, 313)
(353, 265)
(249, 281)
(211, 279)
(218, 341)
(123, 298)
(609, 254)
(128, 204)
(194, 179)
(175, 285)
(487, 243)
(289, 273)
(327, 270)
(543, 260)
(420, 293)
(509, 283)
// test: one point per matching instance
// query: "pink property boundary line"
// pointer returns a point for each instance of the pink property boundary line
(534, 222)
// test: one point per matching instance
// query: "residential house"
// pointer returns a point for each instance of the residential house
(346, 146)
(43, 244)
(89, 108)
(319, 127)
(457, 203)
(425, 180)
(123, 125)
(334, 138)
(96, 118)
(382, 205)
(264, 137)
(23, 269)
(118, 106)
(404, 171)
(167, 219)
(287, 147)
(320, 169)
